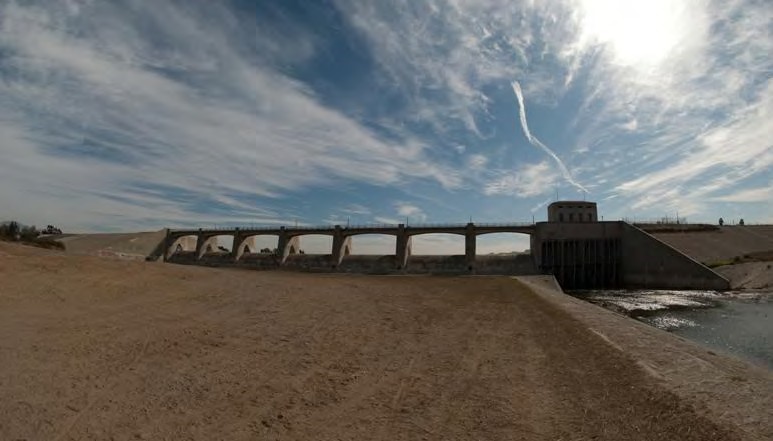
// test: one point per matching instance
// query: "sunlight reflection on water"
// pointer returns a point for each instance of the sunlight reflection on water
(740, 323)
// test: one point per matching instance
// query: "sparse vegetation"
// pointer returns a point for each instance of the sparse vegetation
(761, 256)
(50, 229)
(28, 234)
(675, 228)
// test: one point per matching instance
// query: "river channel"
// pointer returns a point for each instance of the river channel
(739, 323)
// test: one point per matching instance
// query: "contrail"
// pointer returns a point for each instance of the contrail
(536, 142)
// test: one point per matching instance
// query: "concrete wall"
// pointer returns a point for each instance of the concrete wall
(520, 264)
(368, 264)
(555, 231)
(452, 265)
(642, 261)
(650, 263)
(572, 211)
(580, 255)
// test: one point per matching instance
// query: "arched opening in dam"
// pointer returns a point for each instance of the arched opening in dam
(220, 244)
(182, 245)
(215, 250)
(502, 244)
(438, 244)
(262, 244)
(503, 253)
(314, 244)
(373, 245)
(438, 253)
(369, 253)
(312, 252)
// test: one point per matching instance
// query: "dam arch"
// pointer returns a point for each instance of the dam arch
(182, 244)
(501, 243)
(437, 244)
(372, 244)
(216, 244)
(255, 244)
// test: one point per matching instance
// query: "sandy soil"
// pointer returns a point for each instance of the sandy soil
(96, 349)
(751, 275)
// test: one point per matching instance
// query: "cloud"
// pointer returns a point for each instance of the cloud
(133, 115)
(698, 110)
(528, 181)
(536, 142)
(387, 220)
(405, 209)
(441, 55)
(109, 96)
(728, 154)
(761, 194)
(357, 209)
(477, 162)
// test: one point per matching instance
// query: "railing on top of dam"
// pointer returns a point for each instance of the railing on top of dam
(373, 226)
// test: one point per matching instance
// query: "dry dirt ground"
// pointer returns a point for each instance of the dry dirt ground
(100, 349)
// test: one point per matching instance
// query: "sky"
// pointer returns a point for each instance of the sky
(138, 114)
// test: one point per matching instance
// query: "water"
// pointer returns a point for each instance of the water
(739, 323)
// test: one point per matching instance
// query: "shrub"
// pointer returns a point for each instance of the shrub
(28, 234)
(47, 243)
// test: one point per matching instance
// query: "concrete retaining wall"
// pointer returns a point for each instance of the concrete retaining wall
(616, 254)
(363, 264)
(651, 263)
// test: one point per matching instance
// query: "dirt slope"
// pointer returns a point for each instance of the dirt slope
(752, 275)
(96, 349)
(723, 244)
(124, 245)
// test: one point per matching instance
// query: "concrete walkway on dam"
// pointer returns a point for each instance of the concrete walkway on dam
(96, 349)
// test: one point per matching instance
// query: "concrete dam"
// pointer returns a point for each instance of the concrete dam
(201, 247)
(580, 251)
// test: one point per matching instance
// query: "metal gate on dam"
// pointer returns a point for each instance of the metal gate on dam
(583, 264)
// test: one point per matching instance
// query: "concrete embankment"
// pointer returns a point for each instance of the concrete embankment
(648, 262)
(741, 254)
(750, 275)
(722, 244)
(719, 385)
(134, 246)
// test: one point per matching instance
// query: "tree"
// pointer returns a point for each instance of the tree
(28, 233)
(721, 222)
(740, 222)
(10, 230)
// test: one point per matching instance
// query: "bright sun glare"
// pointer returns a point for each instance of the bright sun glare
(641, 33)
